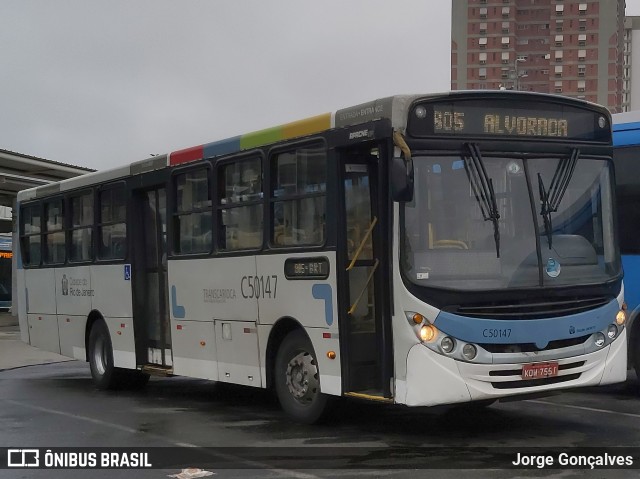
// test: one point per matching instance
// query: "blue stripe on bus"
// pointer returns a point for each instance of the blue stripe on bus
(179, 312)
(323, 291)
(538, 331)
(625, 134)
(222, 147)
(626, 138)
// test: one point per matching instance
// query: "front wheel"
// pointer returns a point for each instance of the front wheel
(298, 379)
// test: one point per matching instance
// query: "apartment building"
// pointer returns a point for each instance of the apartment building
(567, 47)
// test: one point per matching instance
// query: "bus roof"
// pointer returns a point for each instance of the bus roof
(377, 109)
(626, 128)
(393, 108)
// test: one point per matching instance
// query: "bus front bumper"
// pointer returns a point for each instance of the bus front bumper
(434, 379)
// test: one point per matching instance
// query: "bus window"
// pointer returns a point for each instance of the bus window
(298, 196)
(192, 220)
(54, 245)
(112, 229)
(628, 198)
(240, 200)
(30, 241)
(81, 227)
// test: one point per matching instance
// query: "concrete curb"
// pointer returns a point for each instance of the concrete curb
(46, 363)
(6, 320)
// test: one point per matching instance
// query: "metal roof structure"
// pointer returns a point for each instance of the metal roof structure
(19, 172)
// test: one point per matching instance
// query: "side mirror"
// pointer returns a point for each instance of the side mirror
(401, 179)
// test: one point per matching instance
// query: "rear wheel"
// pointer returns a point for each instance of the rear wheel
(298, 379)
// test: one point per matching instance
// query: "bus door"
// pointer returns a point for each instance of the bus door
(151, 311)
(365, 339)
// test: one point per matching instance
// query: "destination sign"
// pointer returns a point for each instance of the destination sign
(306, 268)
(515, 118)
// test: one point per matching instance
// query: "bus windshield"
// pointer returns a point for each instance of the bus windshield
(473, 222)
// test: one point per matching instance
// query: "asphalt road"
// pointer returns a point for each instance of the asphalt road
(56, 405)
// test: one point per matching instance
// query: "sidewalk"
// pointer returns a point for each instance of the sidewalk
(7, 320)
(14, 353)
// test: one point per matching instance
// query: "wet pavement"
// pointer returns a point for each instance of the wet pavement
(56, 405)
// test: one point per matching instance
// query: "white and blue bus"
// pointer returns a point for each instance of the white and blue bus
(626, 142)
(418, 250)
(6, 255)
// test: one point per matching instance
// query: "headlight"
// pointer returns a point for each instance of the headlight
(612, 331)
(425, 331)
(447, 344)
(599, 339)
(428, 333)
(469, 351)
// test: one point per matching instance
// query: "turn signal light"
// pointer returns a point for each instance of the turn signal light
(621, 317)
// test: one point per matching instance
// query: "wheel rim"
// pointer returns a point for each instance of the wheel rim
(302, 377)
(100, 356)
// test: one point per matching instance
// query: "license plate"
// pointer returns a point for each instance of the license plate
(539, 370)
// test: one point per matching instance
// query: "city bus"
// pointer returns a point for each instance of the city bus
(6, 255)
(416, 249)
(626, 142)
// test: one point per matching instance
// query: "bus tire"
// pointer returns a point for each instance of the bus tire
(297, 379)
(105, 375)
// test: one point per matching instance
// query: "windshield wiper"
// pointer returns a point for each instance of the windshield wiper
(483, 190)
(550, 200)
(545, 210)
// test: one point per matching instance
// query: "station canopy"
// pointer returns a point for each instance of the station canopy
(19, 172)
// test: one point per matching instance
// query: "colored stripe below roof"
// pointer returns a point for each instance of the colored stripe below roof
(288, 131)
(222, 147)
(188, 154)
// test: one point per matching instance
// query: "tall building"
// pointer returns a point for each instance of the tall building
(573, 48)
(631, 76)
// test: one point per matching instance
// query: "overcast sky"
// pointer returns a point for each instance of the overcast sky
(105, 83)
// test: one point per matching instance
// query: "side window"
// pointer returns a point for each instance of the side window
(54, 247)
(30, 224)
(240, 205)
(81, 227)
(628, 197)
(112, 226)
(192, 219)
(298, 196)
